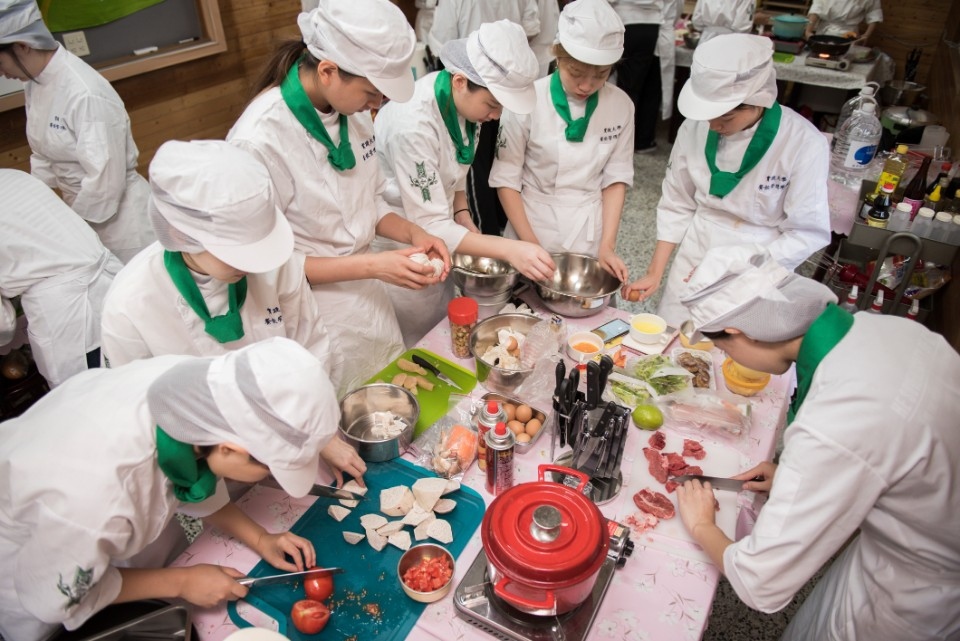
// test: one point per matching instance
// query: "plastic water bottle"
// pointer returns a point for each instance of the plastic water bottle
(866, 95)
(855, 145)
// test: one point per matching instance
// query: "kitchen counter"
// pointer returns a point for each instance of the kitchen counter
(665, 590)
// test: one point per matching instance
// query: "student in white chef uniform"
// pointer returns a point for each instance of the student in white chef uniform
(309, 128)
(223, 275)
(717, 17)
(844, 18)
(562, 171)
(870, 454)
(56, 264)
(93, 473)
(426, 146)
(743, 169)
(78, 131)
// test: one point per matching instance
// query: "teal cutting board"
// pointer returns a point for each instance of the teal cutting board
(370, 577)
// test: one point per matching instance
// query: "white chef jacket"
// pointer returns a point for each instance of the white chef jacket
(56, 264)
(717, 17)
(424, 19)
(561, 181)
(80, 494)
(8, 321)
(419, 163)
(874, 447)
(144, 315)
(79, 133)
(455, 19)
(332, 214)
(781, 203)
(542, 43)
(838, 17)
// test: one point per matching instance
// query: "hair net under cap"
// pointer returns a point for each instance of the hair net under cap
(211, 194)
(497, 56)
(20, 21)
(727, 71)
(272, 398)
(743, 287)
(369, 38)
(591, 32)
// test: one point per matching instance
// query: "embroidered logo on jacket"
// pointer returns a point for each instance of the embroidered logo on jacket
(422, 181)
(501, 142)
(82, 580)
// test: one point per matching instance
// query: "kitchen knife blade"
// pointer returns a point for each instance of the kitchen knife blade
(287, 577)
(589, 446)
(430, 367)
(326, 491)
(718, 482)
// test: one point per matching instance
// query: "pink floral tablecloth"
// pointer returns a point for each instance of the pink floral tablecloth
(665, 590)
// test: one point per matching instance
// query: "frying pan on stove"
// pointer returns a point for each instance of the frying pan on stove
(829, 45)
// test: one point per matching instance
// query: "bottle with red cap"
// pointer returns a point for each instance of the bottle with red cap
(914, 310)
(463, 313)
(877, 306)
(500, 442)
(489, 415)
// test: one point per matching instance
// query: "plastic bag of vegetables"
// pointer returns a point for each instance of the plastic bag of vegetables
(659, 372)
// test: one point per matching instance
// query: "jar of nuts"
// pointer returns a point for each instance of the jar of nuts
(462, 313)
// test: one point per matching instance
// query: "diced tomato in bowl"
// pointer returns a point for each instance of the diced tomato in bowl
(426, 572)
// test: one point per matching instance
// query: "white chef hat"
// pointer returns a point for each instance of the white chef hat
(498, 57)
(20, 21)
(743, 287)
(368, 38)
(727, 71)
(591, 32)
(208, 195)
(272, 398)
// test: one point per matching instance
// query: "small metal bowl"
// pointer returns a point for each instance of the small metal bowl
(356, 410)
(579, 287)
(484, 336)
(691, 39)
(415, 555)
(481, 277)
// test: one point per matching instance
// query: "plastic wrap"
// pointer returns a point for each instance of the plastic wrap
(659, 372)
(718, 415)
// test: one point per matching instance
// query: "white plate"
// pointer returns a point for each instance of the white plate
(652, 348)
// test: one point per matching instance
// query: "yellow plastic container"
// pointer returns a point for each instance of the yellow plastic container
(743, 380)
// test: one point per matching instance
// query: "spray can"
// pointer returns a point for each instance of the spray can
(500, 442)
(487, 418)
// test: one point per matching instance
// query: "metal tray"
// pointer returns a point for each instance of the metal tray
(537, 413)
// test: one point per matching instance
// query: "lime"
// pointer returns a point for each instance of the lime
(648, 417)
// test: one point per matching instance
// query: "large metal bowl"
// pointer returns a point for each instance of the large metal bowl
(356, 421)
(579, 287)
(482, 278)
(484, 336)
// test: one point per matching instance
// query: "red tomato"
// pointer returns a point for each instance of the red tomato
(309, 616)
(318, 586)
(428, 575)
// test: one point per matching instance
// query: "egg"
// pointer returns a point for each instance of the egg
(533, 426)
(524, 413)
(633, 296)
(523, 438)
(516, 427)
(510, 410)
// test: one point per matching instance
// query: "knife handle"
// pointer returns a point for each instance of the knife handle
(561, 372)
(425, 364)
(606, 366)
(593, 385)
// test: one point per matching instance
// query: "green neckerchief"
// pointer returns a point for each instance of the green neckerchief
(576, 129)
(442, 90)
(824, 334)
(295, 96)
(723, 182)
(225, 328)
(192, 479)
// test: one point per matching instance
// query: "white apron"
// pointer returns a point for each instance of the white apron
(840, 17)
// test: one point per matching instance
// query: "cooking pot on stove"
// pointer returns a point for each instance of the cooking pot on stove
(829, 45)
(545, 543)
(789, 26)
(896, 119)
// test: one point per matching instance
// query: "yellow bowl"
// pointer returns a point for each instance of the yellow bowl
(706, 344)
(739, 385)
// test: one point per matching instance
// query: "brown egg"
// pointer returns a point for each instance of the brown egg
(510, 410)
(523, 438)
(524, 413)
(533, 426)
(516, 427)
(633, 296)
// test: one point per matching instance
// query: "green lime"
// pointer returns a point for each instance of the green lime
(648, 417)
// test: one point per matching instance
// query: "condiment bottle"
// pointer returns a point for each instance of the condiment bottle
(877, 306)
(851, 303)
(500, 443)
(487, 418)
(914, 309)
(893, 168)
(879, 215)
(923, 223)
(463, 313)
(915, 190)
(900, 218)
(942, 227)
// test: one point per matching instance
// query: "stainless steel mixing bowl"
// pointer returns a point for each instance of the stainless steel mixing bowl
(484, 336)
(579, 287)
(483, 278)
(356, 420)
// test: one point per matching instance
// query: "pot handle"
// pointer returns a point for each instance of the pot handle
(568, 471)
(549, 603)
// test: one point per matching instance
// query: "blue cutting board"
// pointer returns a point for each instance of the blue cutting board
(369, 577)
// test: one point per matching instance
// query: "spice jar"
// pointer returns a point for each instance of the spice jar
(462, 313)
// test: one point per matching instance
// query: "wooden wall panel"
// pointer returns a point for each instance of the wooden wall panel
(909, 24)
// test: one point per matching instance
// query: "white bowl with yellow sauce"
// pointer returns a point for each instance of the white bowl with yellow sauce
(647, 328)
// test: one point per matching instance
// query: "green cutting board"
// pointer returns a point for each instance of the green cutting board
(434, 403)
(369, 577)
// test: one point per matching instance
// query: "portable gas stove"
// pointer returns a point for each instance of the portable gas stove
(478, 605)
(826, 61)
(788, 45)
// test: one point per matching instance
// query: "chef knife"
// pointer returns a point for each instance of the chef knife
(287, 577)
(718, 482)
(326, 491)
(606, 366)
(430, 367)
(593, 385)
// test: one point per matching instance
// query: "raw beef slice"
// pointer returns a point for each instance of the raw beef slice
(658, 441)
(658, 464)
(675, 462)
(654, 503)
(694, 449)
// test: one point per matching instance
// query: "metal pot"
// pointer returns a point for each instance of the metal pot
(481, 277)
(579, 287)
(900, 92)
(790, 26)
(545, 543)
(829, 45)
(896, 119)
(484, 336)
(356, 420)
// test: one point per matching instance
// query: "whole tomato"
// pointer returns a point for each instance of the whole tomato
(309, 616)
(318, 586)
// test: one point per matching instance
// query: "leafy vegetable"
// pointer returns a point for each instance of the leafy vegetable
(630, 394)
(661, 374)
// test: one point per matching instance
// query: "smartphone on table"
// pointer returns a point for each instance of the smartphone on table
(611, 331)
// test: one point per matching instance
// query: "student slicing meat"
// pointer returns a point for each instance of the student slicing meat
(78, 130)
(869, 457)
(90, 478)
(309, 129)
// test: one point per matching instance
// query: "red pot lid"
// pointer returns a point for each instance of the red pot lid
(544, 534)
